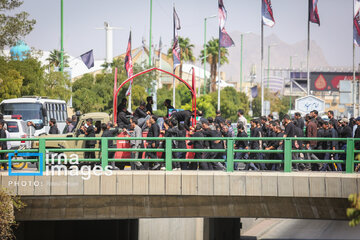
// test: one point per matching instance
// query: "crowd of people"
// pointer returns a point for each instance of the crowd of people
(270, 134)
(179, 124)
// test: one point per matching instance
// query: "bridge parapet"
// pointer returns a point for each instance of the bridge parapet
(188, 183)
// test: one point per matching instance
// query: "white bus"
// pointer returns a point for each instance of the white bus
(39, 110)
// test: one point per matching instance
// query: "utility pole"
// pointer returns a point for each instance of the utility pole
(62, 36)
(205, 52)
(150, 33)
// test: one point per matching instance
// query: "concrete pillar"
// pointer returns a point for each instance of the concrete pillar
(222, 228)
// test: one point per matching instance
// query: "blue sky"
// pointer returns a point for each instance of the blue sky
(83, 16)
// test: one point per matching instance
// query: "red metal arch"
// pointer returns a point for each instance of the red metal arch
(192, 89)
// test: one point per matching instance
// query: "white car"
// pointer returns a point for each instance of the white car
(17, 129)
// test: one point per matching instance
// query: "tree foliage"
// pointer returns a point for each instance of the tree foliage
(54, 59)
(7, 219)
(212, 57)
(354, 211)
(28, 77)
(13, 27)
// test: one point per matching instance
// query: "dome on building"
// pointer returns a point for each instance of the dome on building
(20, 51)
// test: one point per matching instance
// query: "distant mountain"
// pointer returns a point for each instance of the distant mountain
(279, 55)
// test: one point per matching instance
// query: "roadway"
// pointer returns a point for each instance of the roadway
(299, 229)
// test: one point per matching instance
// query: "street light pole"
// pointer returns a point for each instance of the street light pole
(241, 62)
(150, 33)
(62, 37)
(205, 52)
(268, 77)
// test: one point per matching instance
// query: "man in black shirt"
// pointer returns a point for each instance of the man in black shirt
(53, 127)
(154, 132)
(254, 145)
(289, 127)
(122, 120)
(300, 120)
(219, 119)
(241, 144)
(198, 144)
(3, 145)
(89, 132)
(183, 116)
(168, 106)
(333, 120)
(109, 131)
(149, 104)
(141, 115)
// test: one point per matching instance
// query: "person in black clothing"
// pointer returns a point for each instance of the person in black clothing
(141, 115)
(217, 144)
(289, 127)
(241, 144)
(198, 144)
(181, 144)
(300, 120)
(122, 107)
(345, 132)
(254, 145)
(171, 130)
(109, 131)
(53, 127)
(167, 104)
(276, 145)
(89, 131)
(183, 116)
(332, 145)
(154, 131)
(149, 104)
(122, 120)
(3, 145)
(357, 135)
(219, 119)
(270, 145)
(333, 121)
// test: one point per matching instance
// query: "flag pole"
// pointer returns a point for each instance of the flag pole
(173, 57)
(354, 82)
(219, 64)
(129, 107)
(261, 66)
(308, 52)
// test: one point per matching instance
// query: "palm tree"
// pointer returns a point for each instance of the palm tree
(186, 52)
(55, 58)
(212, 49)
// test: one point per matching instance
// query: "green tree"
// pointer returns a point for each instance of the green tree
(55, 59)
(230, 102)
(33, 73)
(212, 48)
(7, 218)
(11, 82)
(354, 211)
(13, 27)
(58, 85)
(186, 52)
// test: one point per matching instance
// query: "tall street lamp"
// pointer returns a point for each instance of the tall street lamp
(241, 60)
(291, 84)
(62, 36)
(268, 80)
(205, 52)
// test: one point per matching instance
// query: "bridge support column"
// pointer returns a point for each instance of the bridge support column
(222, 228)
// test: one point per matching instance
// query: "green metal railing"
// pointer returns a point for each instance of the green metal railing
(229, 151)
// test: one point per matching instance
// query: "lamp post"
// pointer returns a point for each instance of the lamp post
(205, 52)
(150, 33)
(268, 78)
(291, 84)
(241, 60)
(62, 36)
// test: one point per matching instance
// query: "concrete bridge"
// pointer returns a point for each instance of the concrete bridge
(185, 194)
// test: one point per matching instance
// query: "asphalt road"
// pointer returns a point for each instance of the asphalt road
(271, 229)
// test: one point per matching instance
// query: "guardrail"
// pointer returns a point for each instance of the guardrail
(228, 151)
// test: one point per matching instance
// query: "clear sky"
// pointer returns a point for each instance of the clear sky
(83, 16)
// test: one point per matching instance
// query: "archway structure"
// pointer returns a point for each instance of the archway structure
(191, 89)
